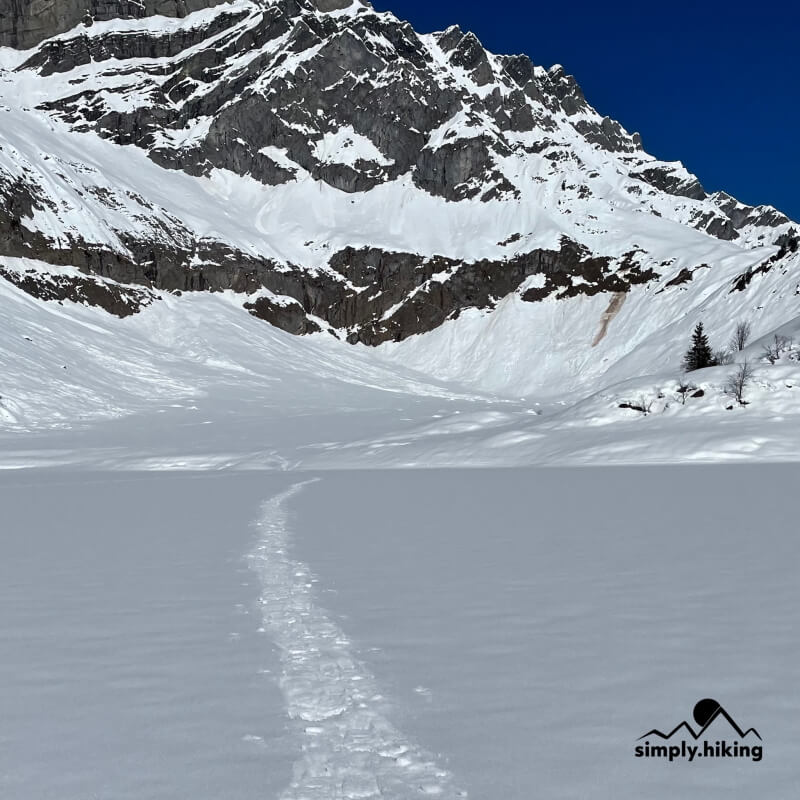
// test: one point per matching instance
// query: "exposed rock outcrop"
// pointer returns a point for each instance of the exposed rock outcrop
(26, 23)
(327, 99)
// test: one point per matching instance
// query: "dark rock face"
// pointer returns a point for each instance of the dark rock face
(469, 54)
(576, 272)
(332, 5)
(371, 294)
(741, 215)
(121, 301)
(720, 227)
(788, 243)
(261, 90)
(410, 294)
(673, 184)
(373, 74)
(289, 317)
(684, 276)
(370, 73)
(25, 23)
(63, 55)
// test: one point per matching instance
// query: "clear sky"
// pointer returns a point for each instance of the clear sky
(713, 84)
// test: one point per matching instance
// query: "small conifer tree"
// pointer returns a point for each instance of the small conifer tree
(699, 354)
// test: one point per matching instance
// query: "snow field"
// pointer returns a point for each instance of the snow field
(351, 750)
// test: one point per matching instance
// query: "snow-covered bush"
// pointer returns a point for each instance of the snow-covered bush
(777, 347)
(723, 357)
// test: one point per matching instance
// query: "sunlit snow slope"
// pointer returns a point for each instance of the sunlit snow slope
(277, 209)
(191, 382)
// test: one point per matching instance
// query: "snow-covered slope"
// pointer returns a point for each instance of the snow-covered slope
(559, 347)
(192, 382)
(453, 213)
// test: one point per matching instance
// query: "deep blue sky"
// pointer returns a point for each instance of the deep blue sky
(713, 84)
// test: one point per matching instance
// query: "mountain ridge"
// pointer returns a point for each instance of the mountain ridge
(341, 173)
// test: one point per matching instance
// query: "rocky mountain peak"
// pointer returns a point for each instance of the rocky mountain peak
(340, 169)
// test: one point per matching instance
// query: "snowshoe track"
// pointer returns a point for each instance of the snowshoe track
(350, 749)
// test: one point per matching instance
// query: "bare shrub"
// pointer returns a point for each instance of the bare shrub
(776, 348)
(738, 381)
(740, 336)
(684, 389)
(723, 357)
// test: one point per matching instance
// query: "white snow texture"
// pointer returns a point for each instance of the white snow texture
(350, 748)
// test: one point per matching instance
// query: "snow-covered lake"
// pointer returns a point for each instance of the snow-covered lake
(500, 633)
(128, 666)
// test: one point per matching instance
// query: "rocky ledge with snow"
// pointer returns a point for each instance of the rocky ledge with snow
(468, 214)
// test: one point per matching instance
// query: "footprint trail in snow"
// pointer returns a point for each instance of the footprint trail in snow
(350, 749)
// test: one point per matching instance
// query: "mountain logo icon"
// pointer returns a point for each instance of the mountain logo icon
(705, 713)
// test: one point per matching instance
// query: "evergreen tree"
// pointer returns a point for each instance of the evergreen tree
(699, 354)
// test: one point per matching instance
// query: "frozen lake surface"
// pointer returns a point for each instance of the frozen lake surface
(532, 624)
(495, 633)
(129, 667)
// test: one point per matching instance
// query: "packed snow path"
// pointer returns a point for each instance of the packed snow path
(350, 748)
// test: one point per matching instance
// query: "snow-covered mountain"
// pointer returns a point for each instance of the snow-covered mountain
(274, 252)
(463, 214)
